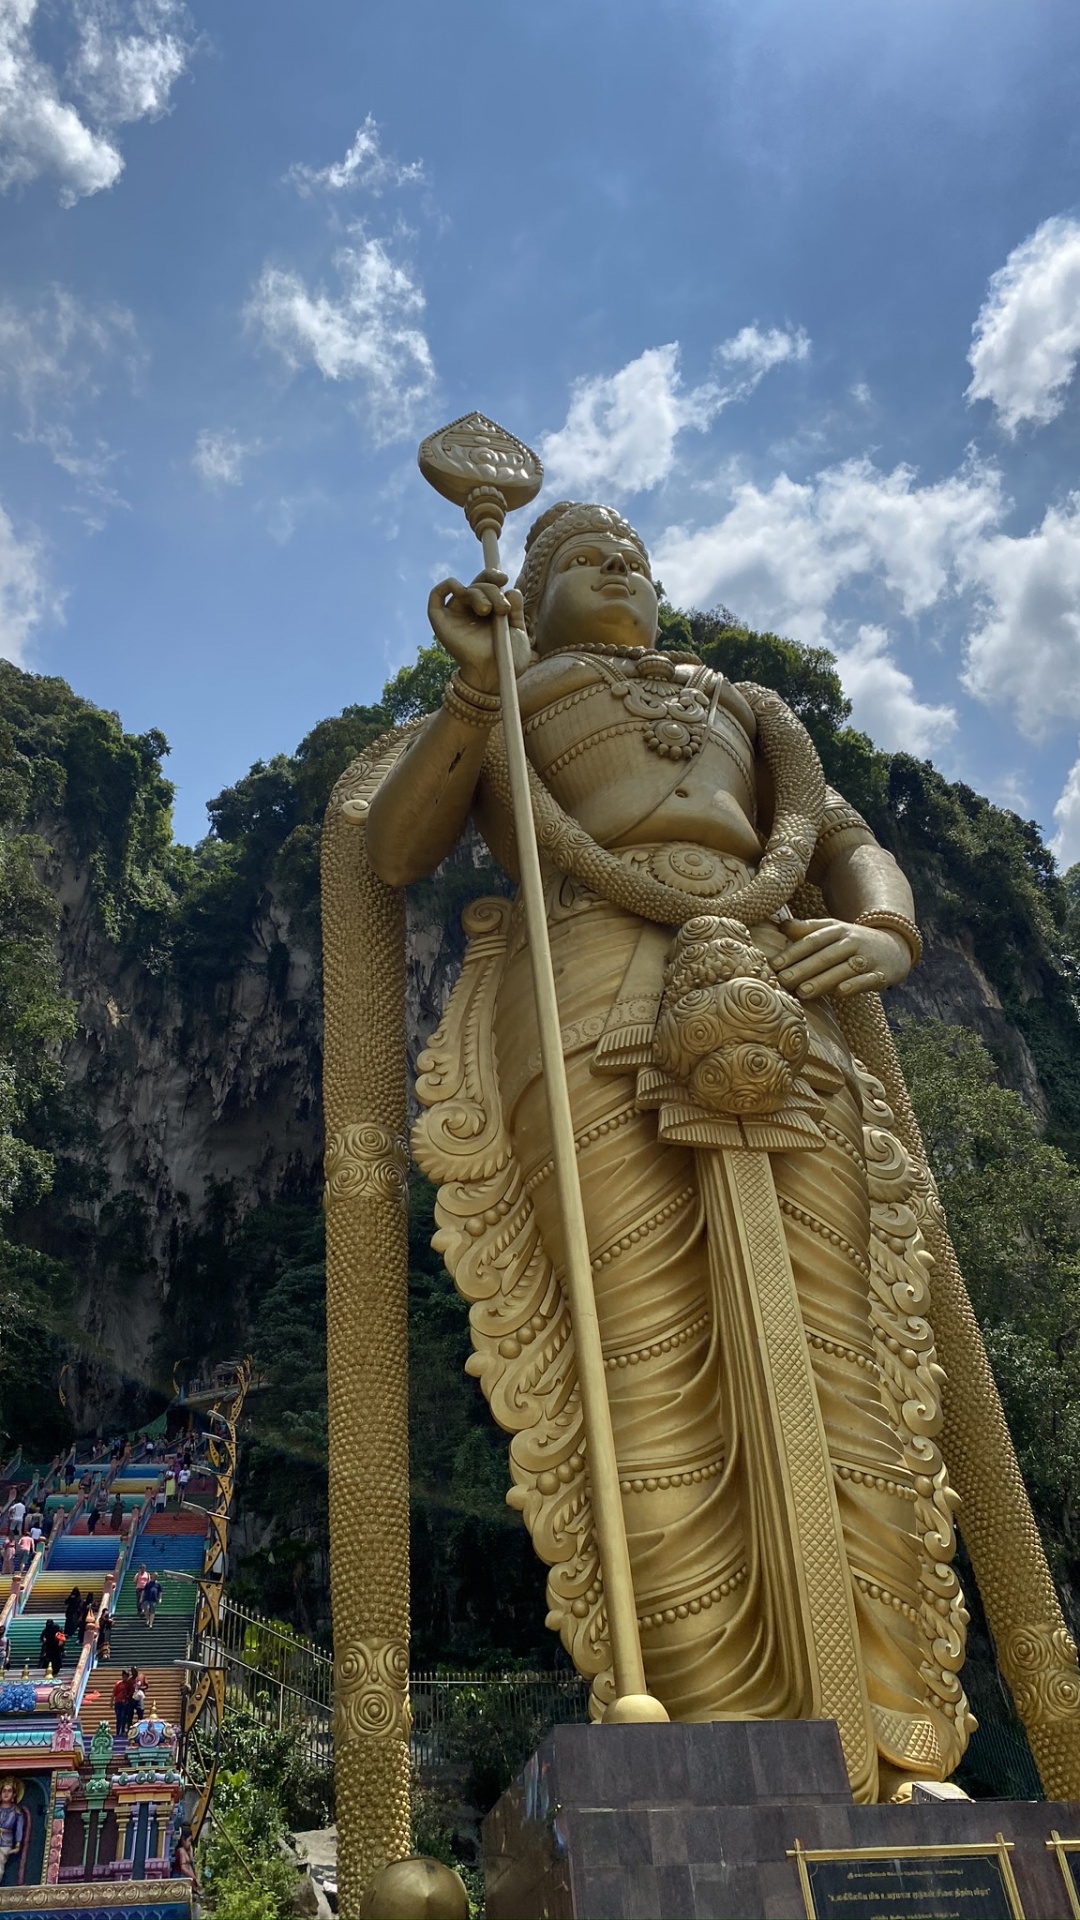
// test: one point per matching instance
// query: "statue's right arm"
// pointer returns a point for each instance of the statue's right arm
(419, 812)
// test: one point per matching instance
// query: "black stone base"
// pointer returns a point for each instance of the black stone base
(696, 1823)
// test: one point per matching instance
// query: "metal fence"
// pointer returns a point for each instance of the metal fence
(998, 1761)
(288, 1683)
(271, 1650)
(515, 1709)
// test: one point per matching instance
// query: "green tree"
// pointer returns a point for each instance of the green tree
(265, 1787)
(1013, 1203)
(418, 689)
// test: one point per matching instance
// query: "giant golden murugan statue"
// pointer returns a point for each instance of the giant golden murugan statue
(775, 1293)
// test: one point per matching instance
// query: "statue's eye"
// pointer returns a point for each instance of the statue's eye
(581, 560)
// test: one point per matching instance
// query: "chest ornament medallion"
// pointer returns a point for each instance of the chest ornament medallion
(675, 717)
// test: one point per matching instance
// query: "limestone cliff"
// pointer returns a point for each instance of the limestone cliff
(193, 1106)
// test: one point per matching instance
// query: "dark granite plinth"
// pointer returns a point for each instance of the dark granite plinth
(695, 1823)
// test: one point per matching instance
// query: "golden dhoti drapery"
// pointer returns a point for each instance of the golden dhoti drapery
(715, 1637)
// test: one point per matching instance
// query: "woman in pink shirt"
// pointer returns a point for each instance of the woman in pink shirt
(141, 1579)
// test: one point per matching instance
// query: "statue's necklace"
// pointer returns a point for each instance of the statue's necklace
(656, 666)
(613, 647)
(674, 716)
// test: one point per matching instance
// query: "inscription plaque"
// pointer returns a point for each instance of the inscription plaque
(974, 1882)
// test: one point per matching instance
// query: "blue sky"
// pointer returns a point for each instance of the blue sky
(794, 283)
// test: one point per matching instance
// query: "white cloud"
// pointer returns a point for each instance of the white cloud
(760, 350)
(782, 553)
(55, 357)
(219, 458)
(368, 333)
(620, 430)
(90, 470)
(365, 166)
(59, 349)
(23, 597)
(1026, 340)
(127, 56)
(1065, 846)
(883, 698)
(130, 55)
(1026, 651)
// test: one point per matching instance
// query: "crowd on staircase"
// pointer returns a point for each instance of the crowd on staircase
(101, 1556)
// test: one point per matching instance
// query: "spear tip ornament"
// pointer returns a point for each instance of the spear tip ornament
(476, 452)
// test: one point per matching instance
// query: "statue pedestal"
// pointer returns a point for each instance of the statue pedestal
(709, 1823)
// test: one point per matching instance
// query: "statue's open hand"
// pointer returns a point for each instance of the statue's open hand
(833, 956)
(461, 618)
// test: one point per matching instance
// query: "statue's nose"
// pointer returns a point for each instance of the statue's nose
(615, 563)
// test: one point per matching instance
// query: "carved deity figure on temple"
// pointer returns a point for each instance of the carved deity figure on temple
(14, 1822)
(796, 1382)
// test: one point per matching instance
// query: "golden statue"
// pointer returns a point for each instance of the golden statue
(681, 1184)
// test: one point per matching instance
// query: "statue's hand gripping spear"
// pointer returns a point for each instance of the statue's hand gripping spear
(482, 468)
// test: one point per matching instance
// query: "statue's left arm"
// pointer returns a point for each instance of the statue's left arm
(870, 940)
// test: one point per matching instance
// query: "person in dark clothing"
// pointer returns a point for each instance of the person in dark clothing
(104, 1633)
(72, 1611)
(52, 1647)
(151, 1597)
(116, 1516)
(92, 1518)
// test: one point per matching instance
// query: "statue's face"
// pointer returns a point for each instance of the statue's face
(7, 1794)
(598, 588)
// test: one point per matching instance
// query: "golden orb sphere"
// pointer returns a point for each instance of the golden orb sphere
(415, 1889)
(635, 1709)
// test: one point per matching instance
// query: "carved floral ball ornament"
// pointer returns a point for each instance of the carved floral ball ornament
(1043, 1674)
(726, 1026)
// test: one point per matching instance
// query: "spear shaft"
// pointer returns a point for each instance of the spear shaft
(603, 1470)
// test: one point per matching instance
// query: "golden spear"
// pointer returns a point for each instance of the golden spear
(485, 470)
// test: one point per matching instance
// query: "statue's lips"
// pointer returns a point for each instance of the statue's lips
(614, 586)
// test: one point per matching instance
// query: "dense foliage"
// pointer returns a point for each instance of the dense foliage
(264, 1789)
(1013, 1202)
(477, 1589)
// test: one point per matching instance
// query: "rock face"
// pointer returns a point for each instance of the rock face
(951, 986)
(192, 1098)
(191, 1101)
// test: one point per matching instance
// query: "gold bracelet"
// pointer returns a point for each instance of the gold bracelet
(890, 922)
(471, 704)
